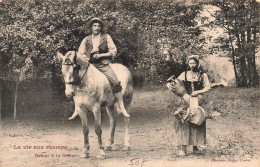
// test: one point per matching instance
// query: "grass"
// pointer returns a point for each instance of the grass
(151, 131)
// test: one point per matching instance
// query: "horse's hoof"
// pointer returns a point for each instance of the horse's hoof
(101, 156)
(126, 148)
(84, 155)
(108, 148)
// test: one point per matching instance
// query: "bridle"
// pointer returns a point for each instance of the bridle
(76, 68)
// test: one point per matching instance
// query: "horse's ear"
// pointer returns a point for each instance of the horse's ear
(60, 56)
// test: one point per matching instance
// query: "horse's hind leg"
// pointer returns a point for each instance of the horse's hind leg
(112, 120)
(98, 130)
(127, 137)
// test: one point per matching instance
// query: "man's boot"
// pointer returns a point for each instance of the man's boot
(73, 115)
(120, 101)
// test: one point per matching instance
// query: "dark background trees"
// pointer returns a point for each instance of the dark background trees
(240, 19)
(145, 33)
(33, 31)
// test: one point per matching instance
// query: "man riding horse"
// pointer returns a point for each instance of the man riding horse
(98, 48)
(94, 83)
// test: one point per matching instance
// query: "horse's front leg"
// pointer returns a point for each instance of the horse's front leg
(84, 121)
(112, 120)
(98, 130)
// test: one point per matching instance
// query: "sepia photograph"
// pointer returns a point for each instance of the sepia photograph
(129, 83)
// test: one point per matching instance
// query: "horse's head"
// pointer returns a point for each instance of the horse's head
(70, 71)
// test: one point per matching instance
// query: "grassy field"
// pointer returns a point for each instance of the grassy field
(42, 120)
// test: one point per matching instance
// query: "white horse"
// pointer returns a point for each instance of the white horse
(91, 90)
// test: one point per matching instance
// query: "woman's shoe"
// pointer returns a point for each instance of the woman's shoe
(181, 153)
(197, 151)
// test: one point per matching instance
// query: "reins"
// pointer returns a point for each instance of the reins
(76, 67)
(84, 73)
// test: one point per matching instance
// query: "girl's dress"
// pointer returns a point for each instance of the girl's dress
(189, 133)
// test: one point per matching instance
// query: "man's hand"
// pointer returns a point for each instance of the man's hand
(194, 93)
(96, 56)
(186, 97)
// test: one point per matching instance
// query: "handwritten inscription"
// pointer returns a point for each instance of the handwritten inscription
(137, 162)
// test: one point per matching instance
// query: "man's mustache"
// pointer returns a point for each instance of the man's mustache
(194, 68)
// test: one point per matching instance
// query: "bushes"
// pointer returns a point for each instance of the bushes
(36, 30)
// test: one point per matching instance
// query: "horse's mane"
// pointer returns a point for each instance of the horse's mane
(76, 57)
(81, 60)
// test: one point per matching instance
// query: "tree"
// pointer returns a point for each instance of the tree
(36, 30)
(241, 22)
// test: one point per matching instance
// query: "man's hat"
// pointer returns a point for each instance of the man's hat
(96, 19)
(193, 57)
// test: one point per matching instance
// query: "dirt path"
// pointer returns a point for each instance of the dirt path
(232, 138)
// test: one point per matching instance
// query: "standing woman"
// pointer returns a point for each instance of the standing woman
(196, 83)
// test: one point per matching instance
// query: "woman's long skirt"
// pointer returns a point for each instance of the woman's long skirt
(188, 133)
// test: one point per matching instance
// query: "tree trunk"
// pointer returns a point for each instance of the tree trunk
(243, 81)
(242, 65)
(15, 98)
(255, 76)
(246, 60)
(1, 90)
(249, 57)
(233, 56)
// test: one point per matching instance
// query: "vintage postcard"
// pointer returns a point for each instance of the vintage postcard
(129, 83)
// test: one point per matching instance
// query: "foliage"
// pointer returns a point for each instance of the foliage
(240, 19)
(35, 30)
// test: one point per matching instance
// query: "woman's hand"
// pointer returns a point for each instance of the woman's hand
(194, 93)
(186, 97)
(172, 87)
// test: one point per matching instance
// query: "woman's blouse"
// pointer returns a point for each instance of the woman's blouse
(194, 81)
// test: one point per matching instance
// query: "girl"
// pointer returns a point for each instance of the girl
(196, 83)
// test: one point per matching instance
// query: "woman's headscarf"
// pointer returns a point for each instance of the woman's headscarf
(197, 59)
